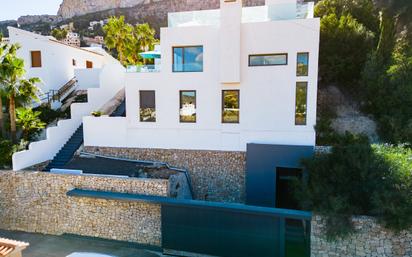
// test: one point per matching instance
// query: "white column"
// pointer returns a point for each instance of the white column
(230, 26)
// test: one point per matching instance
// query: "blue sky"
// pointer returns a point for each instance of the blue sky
(12, 9)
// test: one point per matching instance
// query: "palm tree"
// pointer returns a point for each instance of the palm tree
(3, 51)
(15, 85)
(118, 36)
(145, 37)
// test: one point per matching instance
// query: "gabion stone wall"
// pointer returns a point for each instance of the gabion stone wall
(370, 240)
(37, 202)
(216, 175)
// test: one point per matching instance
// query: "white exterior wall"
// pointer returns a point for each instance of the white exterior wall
(111, 82)
(57, 67)
(267, 94)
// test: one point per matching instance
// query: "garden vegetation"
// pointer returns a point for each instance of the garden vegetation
(357, 178)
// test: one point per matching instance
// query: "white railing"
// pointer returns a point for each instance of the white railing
(111, 81)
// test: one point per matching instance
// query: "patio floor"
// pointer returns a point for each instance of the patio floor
(61, 246)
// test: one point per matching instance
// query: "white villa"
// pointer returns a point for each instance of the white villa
(250, 73)
(231, 96)
(58, 64)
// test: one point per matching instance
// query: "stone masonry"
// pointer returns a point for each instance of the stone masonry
(37, 202)
(216, 175)
(370, 240)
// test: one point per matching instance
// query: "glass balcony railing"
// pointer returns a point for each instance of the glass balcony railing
(142, 68)
(249, 15)
(195, 18)
(277, 12)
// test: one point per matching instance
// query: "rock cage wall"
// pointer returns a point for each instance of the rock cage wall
(37, 202)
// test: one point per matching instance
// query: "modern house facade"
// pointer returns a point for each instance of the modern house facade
(232, 100)
(227, 78)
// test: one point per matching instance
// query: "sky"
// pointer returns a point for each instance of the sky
(12, 9)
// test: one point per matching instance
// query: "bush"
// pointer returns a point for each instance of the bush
(348, 30)
(47, 114)
(388, 92)
(6, 152)
(359, 179)
(344, 47)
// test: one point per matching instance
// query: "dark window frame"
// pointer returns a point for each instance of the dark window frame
(262, 65)
(180, 105)
(183, 58)
(223, 107)
(140, 106)
(74, 62)
(40, 63)
(296, 101)
(297, 63)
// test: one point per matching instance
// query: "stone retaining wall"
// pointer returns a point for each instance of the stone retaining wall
(216, 175)
(370, 240)
(37, 202)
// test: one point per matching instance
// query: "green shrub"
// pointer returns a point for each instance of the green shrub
(47, 114)
(6, 152)
(359, 179)
(348, 30)
(387, 92)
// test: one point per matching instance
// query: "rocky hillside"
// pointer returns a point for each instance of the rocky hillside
(71, 8)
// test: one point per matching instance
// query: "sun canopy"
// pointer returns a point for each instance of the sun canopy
(150, 55)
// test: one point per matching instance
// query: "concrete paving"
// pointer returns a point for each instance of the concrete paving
(62, 246)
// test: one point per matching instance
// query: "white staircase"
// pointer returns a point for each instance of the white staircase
(111, 81)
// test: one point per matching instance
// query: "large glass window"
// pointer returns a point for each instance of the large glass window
(188, 59)
(187, 106)
(302, 68)
(301, 103)
(268, 59)
(147, 106)
(230, 106)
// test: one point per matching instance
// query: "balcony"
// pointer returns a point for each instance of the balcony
(143, 68)
(249, 15)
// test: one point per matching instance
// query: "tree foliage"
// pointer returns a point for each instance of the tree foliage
(359, 179)
(345, 45)
(14, 85)
(29, 121)
(59, 34)
(128, 40)
(388, 92)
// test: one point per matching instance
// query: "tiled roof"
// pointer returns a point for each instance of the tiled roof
(8, 246)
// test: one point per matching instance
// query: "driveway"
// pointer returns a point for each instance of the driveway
(62, 246)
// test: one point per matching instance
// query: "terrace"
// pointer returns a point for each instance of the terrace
(265, 13)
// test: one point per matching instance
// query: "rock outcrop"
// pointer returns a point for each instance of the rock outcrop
(71, 8)
(30, 19)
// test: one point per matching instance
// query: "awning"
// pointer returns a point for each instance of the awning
(151, 55)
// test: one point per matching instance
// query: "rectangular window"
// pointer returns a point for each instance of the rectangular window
(230, 106)
(73, 62)
(301, 103)
(268, 59)
(187, 110)
(35, 59)
(89, 65)
(302, 68)
(147, 106)
(188, 59)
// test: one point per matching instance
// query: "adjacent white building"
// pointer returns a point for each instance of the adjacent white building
(56, 63)
(226, 78)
